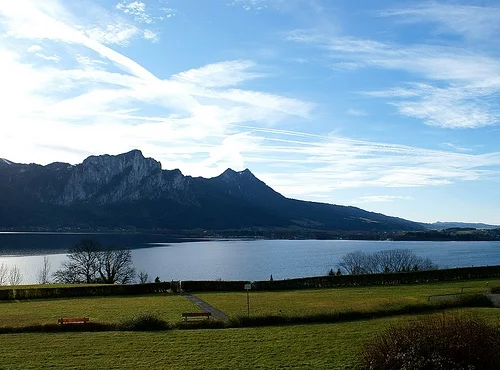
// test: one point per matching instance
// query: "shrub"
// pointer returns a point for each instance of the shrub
(144, 321)
(474, 300)
(436, 342)
(495, 290)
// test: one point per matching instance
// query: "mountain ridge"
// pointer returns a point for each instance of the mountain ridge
(130, 191)
(439, 225)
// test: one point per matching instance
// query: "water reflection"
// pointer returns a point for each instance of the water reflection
(256, 259)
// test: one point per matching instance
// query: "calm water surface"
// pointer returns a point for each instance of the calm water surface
(236, 259)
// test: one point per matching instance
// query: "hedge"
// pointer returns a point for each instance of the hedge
(413, 277)
(83, 291)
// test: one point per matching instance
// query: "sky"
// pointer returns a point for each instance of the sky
(390, 106)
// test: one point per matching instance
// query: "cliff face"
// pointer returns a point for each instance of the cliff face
(108, 179)
(129, 190)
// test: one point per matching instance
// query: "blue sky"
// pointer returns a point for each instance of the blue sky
(391, 106)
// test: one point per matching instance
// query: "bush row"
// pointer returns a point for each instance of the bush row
(83, 291)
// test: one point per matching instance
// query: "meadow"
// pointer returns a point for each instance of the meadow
(167, 306)
(332, 346)
(320, 301)
(320, 346)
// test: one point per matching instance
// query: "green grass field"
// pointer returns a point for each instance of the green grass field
(305, 302)
(319, 346)
(100, 309)
(332, 346)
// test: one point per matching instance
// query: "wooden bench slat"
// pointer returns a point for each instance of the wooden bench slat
(195, 315)
(73, 320)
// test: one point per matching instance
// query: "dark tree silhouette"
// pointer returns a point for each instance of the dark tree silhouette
(89, 263)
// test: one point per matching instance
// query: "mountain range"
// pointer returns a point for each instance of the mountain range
(459, 225)
(129, 191)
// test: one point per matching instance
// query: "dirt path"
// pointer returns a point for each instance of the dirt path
(217, 314)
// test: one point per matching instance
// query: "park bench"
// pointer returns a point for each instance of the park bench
(73, 320)
(195, 316)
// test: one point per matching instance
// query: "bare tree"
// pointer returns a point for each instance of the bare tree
(82, 265)
(43, 275)
(15, 276)
(89, 263)
(4, 271)
(354, 263)
(115, 266)
(395, 260)
(144, 277)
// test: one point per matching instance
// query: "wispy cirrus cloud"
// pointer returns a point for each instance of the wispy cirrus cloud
(380, 199)
(356, 112)
(447, 86)
(471, 21)
(99, 100)
(103, 95)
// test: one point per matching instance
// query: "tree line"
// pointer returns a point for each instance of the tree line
(386, 261)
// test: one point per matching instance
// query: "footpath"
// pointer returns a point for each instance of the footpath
(205, 307)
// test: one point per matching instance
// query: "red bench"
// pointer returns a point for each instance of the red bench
(195, 315)
(74, 320)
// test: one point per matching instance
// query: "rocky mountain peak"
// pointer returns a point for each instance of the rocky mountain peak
(129, 190)
(232, 175)
(122, 173)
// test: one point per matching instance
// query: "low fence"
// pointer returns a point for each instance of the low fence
(83, 291)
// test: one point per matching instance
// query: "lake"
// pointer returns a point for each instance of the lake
(249, 260)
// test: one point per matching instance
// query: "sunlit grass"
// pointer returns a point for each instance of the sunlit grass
(168, 307)
(313, 346)
(318, 301)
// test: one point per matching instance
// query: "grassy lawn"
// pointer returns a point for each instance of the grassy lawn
(332, 346)
(306, 346)
(303, 302)
(102, 309)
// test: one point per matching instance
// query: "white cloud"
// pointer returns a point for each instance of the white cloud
(456, 147)
(98, 106)
(221, 74)
(251, 5)
(169, 12)
(136, 9)
(452, 88)
(202, 120)
(34, 48)
(380, 199)
(356, 112)
(86, 61)
(112, 34)
(478, 22)
(53, 58)
(151, 35)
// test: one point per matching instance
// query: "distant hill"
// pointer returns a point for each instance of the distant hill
(462, 225)
(130, 191)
